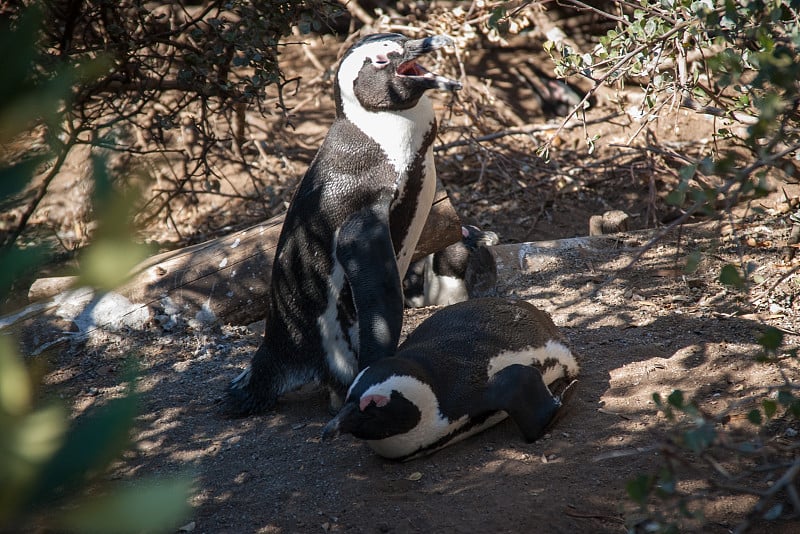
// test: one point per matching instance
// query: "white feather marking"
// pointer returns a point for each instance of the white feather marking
(443, 290)
(355, 381)
(399, 133)
(552, 350)
(432, 426)
(341, 359)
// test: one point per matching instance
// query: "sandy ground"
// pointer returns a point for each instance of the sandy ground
(654, 329)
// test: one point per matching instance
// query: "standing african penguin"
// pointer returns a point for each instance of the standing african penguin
(465, 368)
(335, 303)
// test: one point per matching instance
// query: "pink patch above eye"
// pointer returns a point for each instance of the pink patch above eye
(381, 60)
(378, 400)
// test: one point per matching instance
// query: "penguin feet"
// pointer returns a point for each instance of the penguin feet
(336, 401)
(241, 400)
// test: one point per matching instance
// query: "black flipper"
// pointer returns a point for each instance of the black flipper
(364, 248)
(520, 391)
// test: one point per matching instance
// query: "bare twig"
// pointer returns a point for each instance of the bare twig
(525, 130)
(62, 154)
(782, 483)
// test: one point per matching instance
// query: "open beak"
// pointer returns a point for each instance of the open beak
(340, 423)
(410, 68)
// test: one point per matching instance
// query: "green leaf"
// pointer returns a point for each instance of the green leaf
(785, 397)
(18, 262)
(754, 416)
(639, 488)
(692, 261)
(497, 14)
(700, 438)
(657, 400)
(675, 198)
(93, 441)
(107, 263)
(770, 407)
(152, 505)
(729, 275)
(15, 383)
(21, 39)
(795, 408)
(687, 172)
(771, 339)
(676, 399)
(774, 513)
(666, 482)
(14, 178)
(26, 444)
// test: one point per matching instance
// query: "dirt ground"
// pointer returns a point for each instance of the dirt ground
(654, 329)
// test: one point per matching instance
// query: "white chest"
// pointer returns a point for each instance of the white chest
(400, 134)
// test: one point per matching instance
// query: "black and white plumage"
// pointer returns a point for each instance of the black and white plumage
(335, 302)
(460, 271)
(465, 368)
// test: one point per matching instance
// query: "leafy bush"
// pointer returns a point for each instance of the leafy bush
(700, 443)
(737, 61)
(168, 80)
(51, 467)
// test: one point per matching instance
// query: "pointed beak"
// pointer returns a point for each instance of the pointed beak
(341, 423)
(410, 68)
(417, 47)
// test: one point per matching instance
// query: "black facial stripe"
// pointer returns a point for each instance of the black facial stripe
(398, 416)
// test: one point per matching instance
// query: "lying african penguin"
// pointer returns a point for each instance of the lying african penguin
(463, 270)
(465, 368)
(335, 303)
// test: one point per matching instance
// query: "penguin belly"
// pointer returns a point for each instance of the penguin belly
(443, 290)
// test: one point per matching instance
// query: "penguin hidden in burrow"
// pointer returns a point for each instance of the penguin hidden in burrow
(335, 303)
(463, 270)
(464, 369)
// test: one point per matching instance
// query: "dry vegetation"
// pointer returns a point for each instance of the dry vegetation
(671, 133)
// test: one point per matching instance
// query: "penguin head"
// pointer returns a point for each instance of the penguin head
(473, 237)
(453, 260)
(379, 404)
(381, 73)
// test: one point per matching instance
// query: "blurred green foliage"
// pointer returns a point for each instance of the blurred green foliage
(702, 439)
(738, 61)
(51, 467)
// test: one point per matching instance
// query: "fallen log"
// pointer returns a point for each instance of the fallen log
(223, 280)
